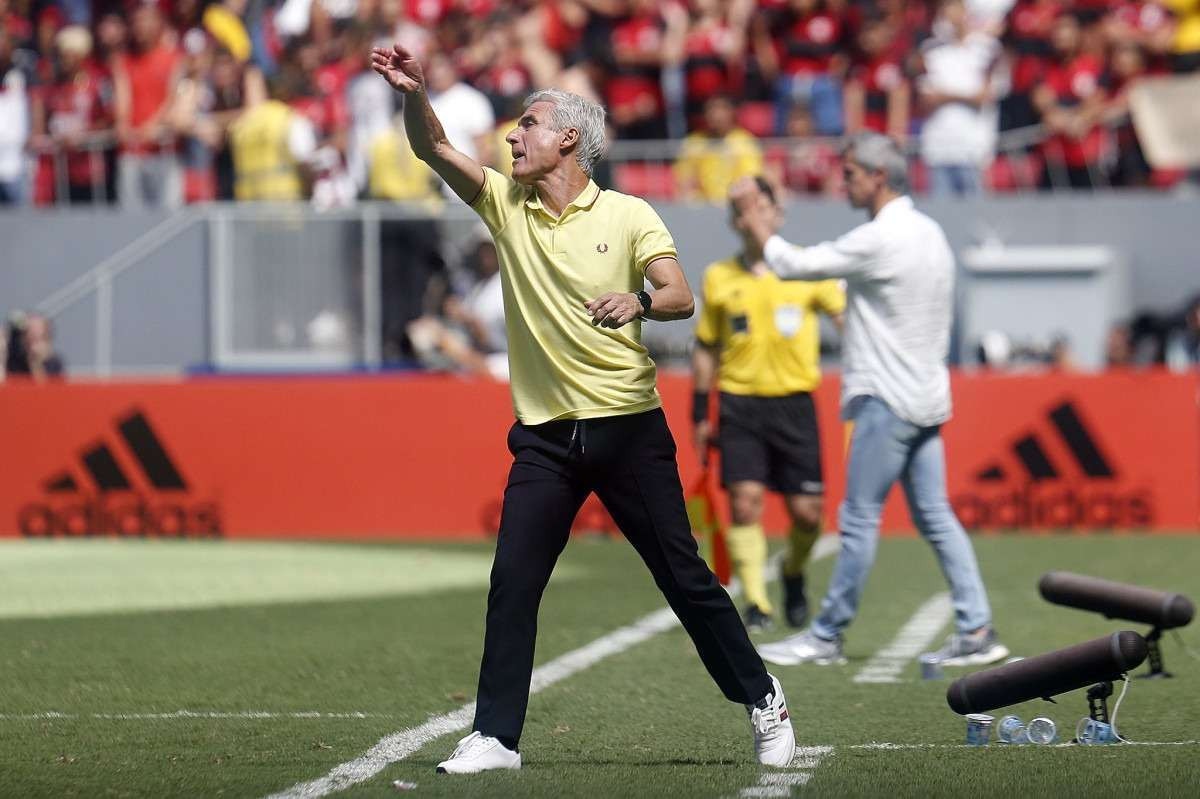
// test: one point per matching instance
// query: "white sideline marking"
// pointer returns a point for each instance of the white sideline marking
(891, 747)
(781, 783)
(912, 639)
(400, 745)
(197, 714)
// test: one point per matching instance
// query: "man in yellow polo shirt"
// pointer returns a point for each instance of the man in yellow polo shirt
(758, 337)
(573, 261)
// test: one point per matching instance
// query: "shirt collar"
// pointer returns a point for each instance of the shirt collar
(898, 204)
(586, 199)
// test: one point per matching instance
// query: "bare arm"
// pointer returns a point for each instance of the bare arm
(403, 73)
(122, 103)
(704, 366)
(899, 101)
(854, 101)
(704, 372)
(671, 299)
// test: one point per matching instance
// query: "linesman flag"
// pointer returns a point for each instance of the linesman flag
(706, 523)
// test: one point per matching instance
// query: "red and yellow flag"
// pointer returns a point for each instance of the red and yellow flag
(706, 524)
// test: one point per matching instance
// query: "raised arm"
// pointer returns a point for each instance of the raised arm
(850, 255)
(403, 73)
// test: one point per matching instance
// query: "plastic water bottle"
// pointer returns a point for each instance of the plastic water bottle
(1041, 731)
(1096, 732)
(1011, 730)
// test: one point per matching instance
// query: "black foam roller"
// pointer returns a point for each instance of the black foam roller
(1048, 675)
(1117, 600)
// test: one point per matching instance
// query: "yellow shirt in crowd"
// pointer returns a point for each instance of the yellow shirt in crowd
(395, 172)
(264, 168)
(766, 328)
(707, 167)
(561, 365)
(1187, 25)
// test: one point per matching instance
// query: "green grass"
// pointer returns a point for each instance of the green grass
(365, 628)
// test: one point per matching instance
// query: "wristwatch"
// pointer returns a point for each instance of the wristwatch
(644, 299)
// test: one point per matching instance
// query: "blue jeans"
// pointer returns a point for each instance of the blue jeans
(885, 448)
(821, 94)
(958, 180)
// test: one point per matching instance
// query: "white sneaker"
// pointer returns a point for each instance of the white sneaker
(774, 739)
(803, 648)
(979, 648)
(478, 752)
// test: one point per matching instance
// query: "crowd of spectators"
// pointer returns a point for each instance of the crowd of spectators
(158, 102)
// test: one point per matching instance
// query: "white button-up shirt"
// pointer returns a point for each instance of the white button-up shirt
(899, 273)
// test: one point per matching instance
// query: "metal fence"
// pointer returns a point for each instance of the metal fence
(287, 287)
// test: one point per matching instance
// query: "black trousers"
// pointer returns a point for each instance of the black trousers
(629, 461)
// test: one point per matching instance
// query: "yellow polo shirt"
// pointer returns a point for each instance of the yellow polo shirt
(766, 329)
(562, 366)
(707, 167)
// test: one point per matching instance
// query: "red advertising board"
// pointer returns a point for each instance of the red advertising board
(422, 455)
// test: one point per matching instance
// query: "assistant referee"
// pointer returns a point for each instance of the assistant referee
(574, 260)
(758, 339)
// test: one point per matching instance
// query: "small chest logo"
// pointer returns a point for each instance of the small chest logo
(601, 248)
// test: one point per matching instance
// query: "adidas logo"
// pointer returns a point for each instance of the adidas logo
(1057, 478)
(150, 499)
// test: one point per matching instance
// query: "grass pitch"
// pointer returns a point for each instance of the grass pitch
(102, 643)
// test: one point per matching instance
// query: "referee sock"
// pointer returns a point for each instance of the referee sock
(800, 544)
(748, 552)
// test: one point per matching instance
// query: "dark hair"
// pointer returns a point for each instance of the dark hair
(766, 188)
(17, 360)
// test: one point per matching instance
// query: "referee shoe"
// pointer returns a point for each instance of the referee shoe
(478, 752)
(795, 603)
(757, 620)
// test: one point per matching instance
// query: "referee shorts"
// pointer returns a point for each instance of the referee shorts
(771, 440)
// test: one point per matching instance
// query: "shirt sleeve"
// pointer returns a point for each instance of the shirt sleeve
(496, 200)
(708, 328)
(831, 297)
(649, 237)
(852, 255)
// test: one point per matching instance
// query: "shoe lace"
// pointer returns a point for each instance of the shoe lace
(472, 745)
(765, 720)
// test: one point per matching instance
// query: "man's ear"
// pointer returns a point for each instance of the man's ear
(569, 138)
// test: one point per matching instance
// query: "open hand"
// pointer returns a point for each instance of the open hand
(399, 68)
(614, 309)
(752, 209)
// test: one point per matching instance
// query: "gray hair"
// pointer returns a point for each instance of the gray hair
(879, 153)
(573, 111)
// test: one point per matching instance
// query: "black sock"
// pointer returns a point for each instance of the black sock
(509, 743)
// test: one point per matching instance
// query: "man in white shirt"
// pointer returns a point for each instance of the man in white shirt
(14, 124)
(899, 273)
(958, 138)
